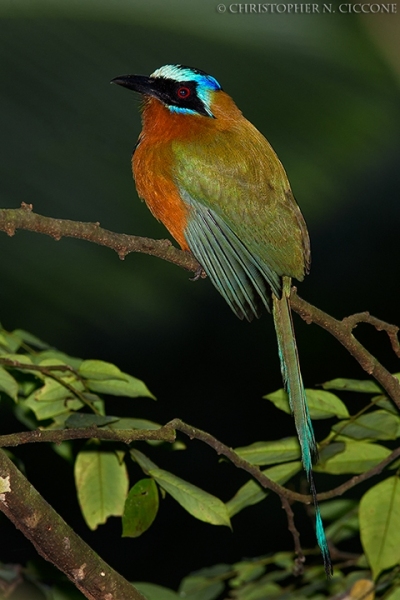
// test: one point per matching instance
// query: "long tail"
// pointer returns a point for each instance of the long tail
(290, 368)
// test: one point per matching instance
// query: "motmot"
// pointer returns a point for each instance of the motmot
(217, 185)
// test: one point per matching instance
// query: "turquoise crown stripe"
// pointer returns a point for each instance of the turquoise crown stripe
(206, 84)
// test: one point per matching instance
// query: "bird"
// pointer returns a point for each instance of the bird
(218, 187)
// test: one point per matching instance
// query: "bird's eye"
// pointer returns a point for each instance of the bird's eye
(183, 92)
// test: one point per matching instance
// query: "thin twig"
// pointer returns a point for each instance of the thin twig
(241, 463)
(50, 371)
(357, 479)
(364, 317)
(16, 364)
(342, 331)
(263, 480)
(56, 436)
(300, 558)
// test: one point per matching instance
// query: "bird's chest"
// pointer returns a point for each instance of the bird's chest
(152, 166)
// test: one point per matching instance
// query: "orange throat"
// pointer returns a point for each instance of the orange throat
(152, 164)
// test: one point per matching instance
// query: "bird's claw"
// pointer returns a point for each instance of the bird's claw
(199, 274)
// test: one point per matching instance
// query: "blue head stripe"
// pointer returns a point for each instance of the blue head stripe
(205, 83)
(180, 73)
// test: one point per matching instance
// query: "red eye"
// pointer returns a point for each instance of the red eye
(183, 92)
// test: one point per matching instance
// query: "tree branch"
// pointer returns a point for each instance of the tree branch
(167, 434)
(27, 509)
(265, 481)
(24, 218)
(12, 219)
(343, 332)
(57, 436)
(55, 541)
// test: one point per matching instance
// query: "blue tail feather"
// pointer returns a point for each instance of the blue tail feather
(247, 283)
(291, 374)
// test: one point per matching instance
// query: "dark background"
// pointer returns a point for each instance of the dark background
(324, 89)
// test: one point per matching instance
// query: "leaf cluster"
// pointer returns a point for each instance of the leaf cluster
(51, 391)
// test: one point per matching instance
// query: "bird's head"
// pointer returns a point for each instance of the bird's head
(181, 89)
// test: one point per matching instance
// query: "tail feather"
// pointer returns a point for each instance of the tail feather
(291, 374)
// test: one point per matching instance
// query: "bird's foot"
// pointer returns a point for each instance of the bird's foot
(199, 274)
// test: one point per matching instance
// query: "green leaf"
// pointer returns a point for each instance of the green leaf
(380, 525)
(53, 390)
(102, 485)
(8, 384)
(335, 509)
(152, 591)
(260, 591)
(130, 423)
(284, 560)
(54, 362)
(3, 342)
(365, 386)
(71, 361)
(344, 517)
(19, 358)
(321, 404)
(49, 410)
(394, 594)
(130, 387)
(332, 449)
(386, 404)
(24, 415)
(100, 370)
(324, 405)
(267, 453)
(178, 445)
(251, 492)
(280, 399)
(343, 529)
(30, 339)
(356, 457)
(65, 450)
(141, 507)
(200, 587)
(376, 425)
(24, 359)
(10, 341)
(197, 502)
(144, 463)
(246, 571)
(214, 571)
(77, 420)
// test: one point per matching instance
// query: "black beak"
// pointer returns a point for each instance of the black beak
(137, 83)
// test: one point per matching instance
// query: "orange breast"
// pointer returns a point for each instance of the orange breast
(151, 165)
(152, 161)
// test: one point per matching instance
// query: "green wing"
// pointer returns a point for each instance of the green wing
(244, 226)
(238, 275)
